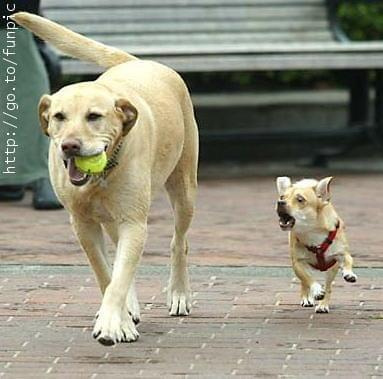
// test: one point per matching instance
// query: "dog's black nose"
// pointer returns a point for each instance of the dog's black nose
(281, 207)
(71, 147)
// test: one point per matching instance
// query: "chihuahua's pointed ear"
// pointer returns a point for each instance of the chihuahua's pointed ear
(128, 114)
(43, 109)
(283, 183)
(323, 188)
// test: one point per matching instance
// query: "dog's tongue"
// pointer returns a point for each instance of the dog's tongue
(74, 173)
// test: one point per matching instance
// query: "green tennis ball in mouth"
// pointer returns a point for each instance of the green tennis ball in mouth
(92, 165)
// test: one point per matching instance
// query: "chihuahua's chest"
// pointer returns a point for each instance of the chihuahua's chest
(303, 251)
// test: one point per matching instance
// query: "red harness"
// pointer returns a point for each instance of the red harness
(320, 251)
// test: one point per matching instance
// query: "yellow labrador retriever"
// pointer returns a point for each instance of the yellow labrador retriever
(141, 114)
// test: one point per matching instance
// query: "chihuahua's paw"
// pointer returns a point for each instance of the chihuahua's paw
(317, 291)
(349, 276)
(322, 308)
(305, 302)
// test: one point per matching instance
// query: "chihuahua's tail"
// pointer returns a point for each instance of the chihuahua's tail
(71, 43)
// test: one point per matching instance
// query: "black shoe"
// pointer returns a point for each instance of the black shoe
(44, 197)
(11, 193)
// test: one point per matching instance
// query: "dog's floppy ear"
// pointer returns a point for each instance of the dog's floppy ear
(128, 114)
(323, 188)
(44, 105)
(283, 183)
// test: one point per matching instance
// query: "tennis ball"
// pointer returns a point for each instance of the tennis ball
(91, 165)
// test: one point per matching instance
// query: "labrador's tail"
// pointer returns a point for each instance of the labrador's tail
(71, 43)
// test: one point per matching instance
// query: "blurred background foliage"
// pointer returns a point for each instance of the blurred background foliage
(360, 21)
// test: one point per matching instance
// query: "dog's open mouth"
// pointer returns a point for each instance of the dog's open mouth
(286, 222)
(76, 177)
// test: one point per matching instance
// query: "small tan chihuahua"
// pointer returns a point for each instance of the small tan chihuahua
(317, 239)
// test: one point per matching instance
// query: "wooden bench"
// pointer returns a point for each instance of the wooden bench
(229, 35)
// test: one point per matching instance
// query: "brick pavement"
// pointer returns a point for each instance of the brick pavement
(235, 224)
(245, 322)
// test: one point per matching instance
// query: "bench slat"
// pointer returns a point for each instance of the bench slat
(160, 41)
(171, 14)
(257, 48)
(124, 29)
(174, 3)
(251, 62)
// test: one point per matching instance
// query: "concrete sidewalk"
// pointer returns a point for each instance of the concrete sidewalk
(245, 322)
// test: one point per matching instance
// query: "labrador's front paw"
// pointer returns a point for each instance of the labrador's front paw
(113, 326)
(179, 298)
(133, 308)
(179, 294)
(179, 303)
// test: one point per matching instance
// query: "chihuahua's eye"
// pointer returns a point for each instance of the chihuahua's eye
(93, 116)
(59, 116)
(300, 199)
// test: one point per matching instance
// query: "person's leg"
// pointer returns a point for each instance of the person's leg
(23, 147)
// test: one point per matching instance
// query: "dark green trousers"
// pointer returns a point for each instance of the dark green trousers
(23, 79)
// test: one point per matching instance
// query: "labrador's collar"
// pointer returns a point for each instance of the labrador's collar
(110, 165)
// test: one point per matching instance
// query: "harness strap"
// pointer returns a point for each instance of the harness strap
(320, 251)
